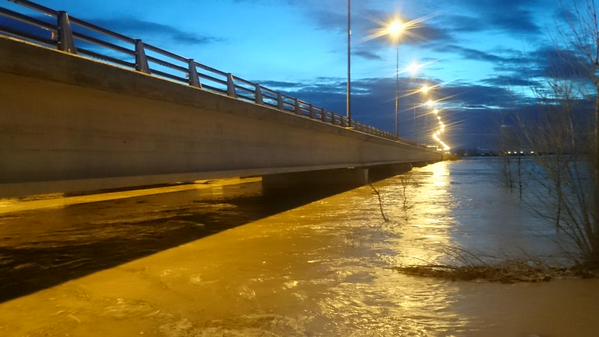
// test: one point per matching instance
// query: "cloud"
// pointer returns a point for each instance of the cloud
(512, 16)
(147, 28)
(471, 54)
(548, 62)
(281, 84)
(428, 34)
(367, 54)
(479, 96)
(562, 64)
(511, 81)
(463, 23)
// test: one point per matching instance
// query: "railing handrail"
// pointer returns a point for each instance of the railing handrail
(65, 39)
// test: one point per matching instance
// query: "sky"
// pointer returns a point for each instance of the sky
(484, 54)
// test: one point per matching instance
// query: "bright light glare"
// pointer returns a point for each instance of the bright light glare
(414, 68)
(441, 129)
(425, 89)
(395, 28)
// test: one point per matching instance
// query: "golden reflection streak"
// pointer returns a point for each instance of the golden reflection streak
(428, 227)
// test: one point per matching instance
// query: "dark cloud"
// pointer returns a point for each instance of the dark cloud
(471, 54)
(148, 28)
(519, 21)
(463, 23)
(481, 96)
(429, 34)
(559, 63)
(511, 81)
(547, 62)
(329, 20)
(281, 84)
(367, 54)
(512, 16)
(564, 14)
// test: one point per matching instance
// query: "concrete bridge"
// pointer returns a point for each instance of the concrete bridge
(76, 116)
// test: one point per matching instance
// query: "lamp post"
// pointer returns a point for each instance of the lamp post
(395, 29)
(348, 103)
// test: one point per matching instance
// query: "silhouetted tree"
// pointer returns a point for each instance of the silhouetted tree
(564, 130)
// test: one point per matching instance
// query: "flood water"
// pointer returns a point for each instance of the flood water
(230, 262)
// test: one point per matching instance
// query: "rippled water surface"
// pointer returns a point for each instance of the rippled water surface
(323, 269)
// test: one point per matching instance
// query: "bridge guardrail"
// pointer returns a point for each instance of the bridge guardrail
(76, 36)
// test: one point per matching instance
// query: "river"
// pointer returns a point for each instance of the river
(227, 261)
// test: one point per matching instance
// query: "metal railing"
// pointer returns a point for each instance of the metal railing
(76, 36)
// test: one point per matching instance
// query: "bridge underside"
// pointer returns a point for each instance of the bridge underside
(71, 124)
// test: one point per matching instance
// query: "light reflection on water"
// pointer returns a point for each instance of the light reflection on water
(325, 269)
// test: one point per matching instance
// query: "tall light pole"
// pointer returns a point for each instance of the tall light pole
(397, 90)
(394, 29)
(348, 111)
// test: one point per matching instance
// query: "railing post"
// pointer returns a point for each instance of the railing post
(312, 112)
(66, 41)
(231, 86)
(141, 61)
(280, 103)
(297, 106)
(194, 78)
(258, 95)
(323, 114)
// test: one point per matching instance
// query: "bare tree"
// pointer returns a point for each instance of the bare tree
(581, 34)
(564, 131)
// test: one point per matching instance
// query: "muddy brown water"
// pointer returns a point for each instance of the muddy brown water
(322, 269)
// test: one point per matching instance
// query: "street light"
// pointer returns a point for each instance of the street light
(348, 103)
(394, 30)
(414, 68)
(425, 89)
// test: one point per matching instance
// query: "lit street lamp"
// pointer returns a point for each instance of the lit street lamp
(425, 89)
(348, 104)
(394, 30)
(414, 68)
(430, 104)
